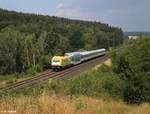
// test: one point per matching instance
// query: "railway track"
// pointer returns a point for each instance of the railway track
(67, 73)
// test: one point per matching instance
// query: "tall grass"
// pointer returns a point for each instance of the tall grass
(52, 104)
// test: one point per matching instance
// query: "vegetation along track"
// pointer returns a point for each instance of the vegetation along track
(57, 75)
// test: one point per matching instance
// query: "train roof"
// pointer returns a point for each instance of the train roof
(73, 53)
(85, 52)
(59, 57)
(93, 51)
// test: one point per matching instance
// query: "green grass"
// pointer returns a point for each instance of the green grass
(12, 78)
(101, 82)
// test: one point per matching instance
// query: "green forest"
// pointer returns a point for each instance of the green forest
(27, 40)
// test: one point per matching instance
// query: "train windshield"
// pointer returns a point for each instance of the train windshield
(56, 61)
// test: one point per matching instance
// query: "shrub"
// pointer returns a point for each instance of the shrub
(97, 83)
(45, 62)
(12, 80)
(113, 86)
(83, 85)
(104, 68)
(34, 69)
(132, 63)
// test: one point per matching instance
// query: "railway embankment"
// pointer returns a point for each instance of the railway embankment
(66, 73)
(96, 91)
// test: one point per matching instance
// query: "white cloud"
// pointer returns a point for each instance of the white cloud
(60, 5)
(60, 10)
(69, 12)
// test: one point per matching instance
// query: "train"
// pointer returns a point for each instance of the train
(70, 59)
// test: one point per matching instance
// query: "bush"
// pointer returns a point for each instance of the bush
(83, 85)
(97, 83)
(104, 68)
(12, 80)
(113, 86)
(45, 62)
(34, 69)
(132, 63)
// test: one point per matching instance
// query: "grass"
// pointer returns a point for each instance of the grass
(95, 92)
(58, 104)
(16, 77)
(98, 83)
(107, 62)
(9, 79)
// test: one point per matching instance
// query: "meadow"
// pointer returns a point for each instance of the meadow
(58, 104)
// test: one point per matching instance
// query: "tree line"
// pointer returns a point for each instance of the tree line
(27, 39)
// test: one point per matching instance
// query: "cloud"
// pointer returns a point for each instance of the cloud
(64, 11)
(60, 6)
(70, 12)
(61, 10)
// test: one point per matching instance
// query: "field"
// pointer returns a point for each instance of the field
(52, 104)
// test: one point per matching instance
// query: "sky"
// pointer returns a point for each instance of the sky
(130, 15)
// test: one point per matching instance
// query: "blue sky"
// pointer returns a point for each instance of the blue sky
(130, 15)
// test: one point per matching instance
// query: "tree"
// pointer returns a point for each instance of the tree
(76, 40)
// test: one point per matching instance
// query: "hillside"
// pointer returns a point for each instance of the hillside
(112, 87)
(27, 40)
